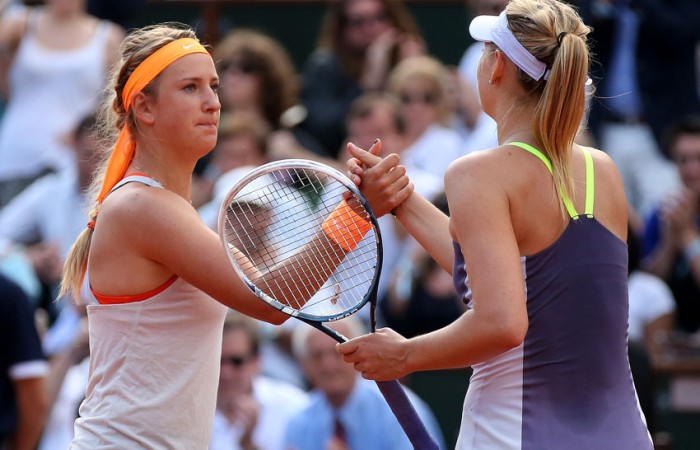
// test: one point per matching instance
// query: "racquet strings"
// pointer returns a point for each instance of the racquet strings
(273, 217)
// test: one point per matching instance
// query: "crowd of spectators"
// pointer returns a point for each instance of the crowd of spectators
(372, 75)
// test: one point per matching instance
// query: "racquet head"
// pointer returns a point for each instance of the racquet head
(269, 220)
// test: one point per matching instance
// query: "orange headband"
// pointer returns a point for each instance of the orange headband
(150, 68)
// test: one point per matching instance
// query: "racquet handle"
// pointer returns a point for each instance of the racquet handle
(414, 428)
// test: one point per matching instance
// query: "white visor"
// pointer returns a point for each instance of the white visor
(495, 29)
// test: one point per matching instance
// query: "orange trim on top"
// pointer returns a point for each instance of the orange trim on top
(121, 299)
(137, 174)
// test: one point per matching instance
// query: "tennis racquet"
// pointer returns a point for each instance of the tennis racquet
(303, 238)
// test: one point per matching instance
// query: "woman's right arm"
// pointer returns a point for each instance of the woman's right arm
(423, 220)
(145, 235)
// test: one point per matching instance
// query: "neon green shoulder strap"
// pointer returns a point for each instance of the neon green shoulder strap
(590, 188)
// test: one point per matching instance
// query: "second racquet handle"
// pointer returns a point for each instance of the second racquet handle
(401, 406)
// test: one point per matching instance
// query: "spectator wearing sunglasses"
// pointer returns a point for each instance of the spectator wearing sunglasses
(251, 410)
(421, 84)
(359, 42)
(258, 78)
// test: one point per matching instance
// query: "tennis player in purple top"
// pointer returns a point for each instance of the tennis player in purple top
(536, 245)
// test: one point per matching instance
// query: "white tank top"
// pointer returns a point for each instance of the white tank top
(154, 371)
(50, 92)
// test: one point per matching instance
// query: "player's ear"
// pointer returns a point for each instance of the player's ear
(142, 108)
(499, 66)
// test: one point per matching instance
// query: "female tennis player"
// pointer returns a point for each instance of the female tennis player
(161, 279)
(538, 226)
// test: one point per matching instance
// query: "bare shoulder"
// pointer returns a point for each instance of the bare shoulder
(605, 169)
(143, 212)
(610, 200)
(601, 159)
(476, 164)
(477, 181)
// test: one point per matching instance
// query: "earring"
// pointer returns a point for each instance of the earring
(490, 81)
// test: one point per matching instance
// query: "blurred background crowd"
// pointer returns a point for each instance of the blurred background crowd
(371, 72)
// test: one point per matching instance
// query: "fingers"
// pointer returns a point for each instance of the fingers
(376, 148)
(404, 193)
(363, 156)
(347, 347)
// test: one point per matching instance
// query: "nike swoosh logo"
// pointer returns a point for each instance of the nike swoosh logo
(187, 47)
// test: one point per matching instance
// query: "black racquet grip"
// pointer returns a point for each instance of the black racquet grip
(414, 428)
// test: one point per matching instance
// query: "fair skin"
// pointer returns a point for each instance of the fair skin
(63, 25)
(379, 123)
(518, 215)
(419, 107)
(237, 151)
(144, 236)
(240, 90)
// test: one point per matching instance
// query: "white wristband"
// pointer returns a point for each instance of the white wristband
(692, 250)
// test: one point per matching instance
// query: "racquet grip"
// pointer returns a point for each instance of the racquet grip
(414, 428)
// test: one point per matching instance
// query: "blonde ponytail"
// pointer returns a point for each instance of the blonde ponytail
(76, 265)
(554, 33)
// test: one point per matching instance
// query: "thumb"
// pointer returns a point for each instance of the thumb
(376, 148)
(346, 348)
(367, 159)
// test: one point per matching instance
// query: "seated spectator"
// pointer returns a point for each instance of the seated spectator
(258, 77)
(359, 43)
(22, 371)
(672, 232)
(345, 410)
(251, 410)
(421, 85)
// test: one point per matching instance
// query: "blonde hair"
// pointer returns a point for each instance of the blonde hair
(112, 116)
(555, 34)
(427, 69)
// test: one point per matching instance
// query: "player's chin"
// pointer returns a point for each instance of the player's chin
(206, 141)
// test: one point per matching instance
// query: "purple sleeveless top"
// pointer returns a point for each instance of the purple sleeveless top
(569, 385)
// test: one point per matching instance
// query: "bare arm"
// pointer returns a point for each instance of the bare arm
(146, 235)
(417, 215)
(32, 410)
(498, 320)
